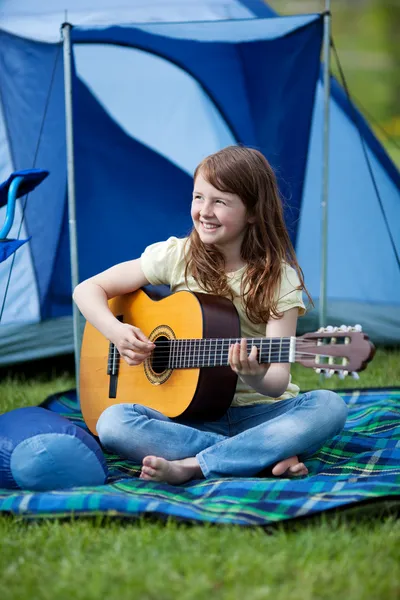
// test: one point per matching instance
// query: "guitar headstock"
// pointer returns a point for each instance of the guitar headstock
(331, 350)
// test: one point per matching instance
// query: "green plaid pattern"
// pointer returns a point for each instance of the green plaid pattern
(360, 465)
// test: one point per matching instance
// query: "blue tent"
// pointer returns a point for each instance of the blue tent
(156, 88)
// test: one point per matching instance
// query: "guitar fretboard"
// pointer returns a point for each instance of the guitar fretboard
(196, 353)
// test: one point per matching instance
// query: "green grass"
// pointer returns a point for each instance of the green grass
(328, 560)
(382, 371)
(353, 554)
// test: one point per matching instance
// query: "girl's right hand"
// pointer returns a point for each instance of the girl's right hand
(132, 344)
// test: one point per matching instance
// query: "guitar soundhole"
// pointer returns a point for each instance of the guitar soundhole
(159, 362)
(156, 368)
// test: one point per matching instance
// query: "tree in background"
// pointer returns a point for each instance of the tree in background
(389, 12)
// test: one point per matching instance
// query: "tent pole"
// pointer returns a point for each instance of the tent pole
(73, 244)
(325, 167)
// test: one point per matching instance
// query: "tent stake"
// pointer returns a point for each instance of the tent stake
(325, 167)
(73, 244)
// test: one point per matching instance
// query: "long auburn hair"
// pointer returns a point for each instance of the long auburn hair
(266, 244)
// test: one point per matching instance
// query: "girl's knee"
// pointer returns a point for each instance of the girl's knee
(109, 425)
(335, 407)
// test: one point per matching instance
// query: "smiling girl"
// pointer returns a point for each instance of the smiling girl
(238, 248)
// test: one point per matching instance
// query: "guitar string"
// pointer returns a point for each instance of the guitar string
(189, 349)
(271, 358)
(285, 340)
(189, 352)
(193, 344)
(219, 353)
(200, 344)
(183, 349)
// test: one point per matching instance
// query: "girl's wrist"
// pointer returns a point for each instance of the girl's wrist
(254, 379)
(111, 329)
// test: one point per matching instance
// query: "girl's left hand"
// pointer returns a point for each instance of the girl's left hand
(243, 363)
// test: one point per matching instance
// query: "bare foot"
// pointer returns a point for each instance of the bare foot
(290, 467)
(155, 468)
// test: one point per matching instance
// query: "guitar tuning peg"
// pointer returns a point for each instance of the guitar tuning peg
(329, 373)
(355, 375)
(343, 328)
(357, 328)
(329, 329)
(343, 374)
(318, 371)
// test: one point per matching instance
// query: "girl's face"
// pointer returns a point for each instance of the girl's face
(219, 218)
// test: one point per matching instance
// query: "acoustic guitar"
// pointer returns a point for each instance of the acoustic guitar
(187, 374)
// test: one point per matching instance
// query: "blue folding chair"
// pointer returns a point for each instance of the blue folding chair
(18, 184)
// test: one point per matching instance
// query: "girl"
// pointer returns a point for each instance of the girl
(239, 248)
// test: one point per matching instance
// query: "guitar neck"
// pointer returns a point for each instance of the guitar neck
(197, 353)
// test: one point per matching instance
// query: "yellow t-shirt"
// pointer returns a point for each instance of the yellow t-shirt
(164, 263)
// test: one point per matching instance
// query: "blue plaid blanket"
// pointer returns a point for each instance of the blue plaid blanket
(360, 465)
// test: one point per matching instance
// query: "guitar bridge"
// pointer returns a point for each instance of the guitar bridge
(113, 366)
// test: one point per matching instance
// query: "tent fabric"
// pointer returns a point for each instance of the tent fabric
(21, 18)
(364, 276)
(340, 98)
(157, 87)
(35, 126)
(359, 466)
(94, 183)
(228, 67)
(171, 96)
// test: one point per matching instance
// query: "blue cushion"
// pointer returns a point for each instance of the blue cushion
(41, 450)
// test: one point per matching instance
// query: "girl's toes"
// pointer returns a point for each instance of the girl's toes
(149, 461)
(299, 469)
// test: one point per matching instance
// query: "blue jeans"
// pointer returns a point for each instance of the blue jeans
(243, 442)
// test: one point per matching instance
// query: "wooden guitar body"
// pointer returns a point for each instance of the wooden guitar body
(199, 393)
